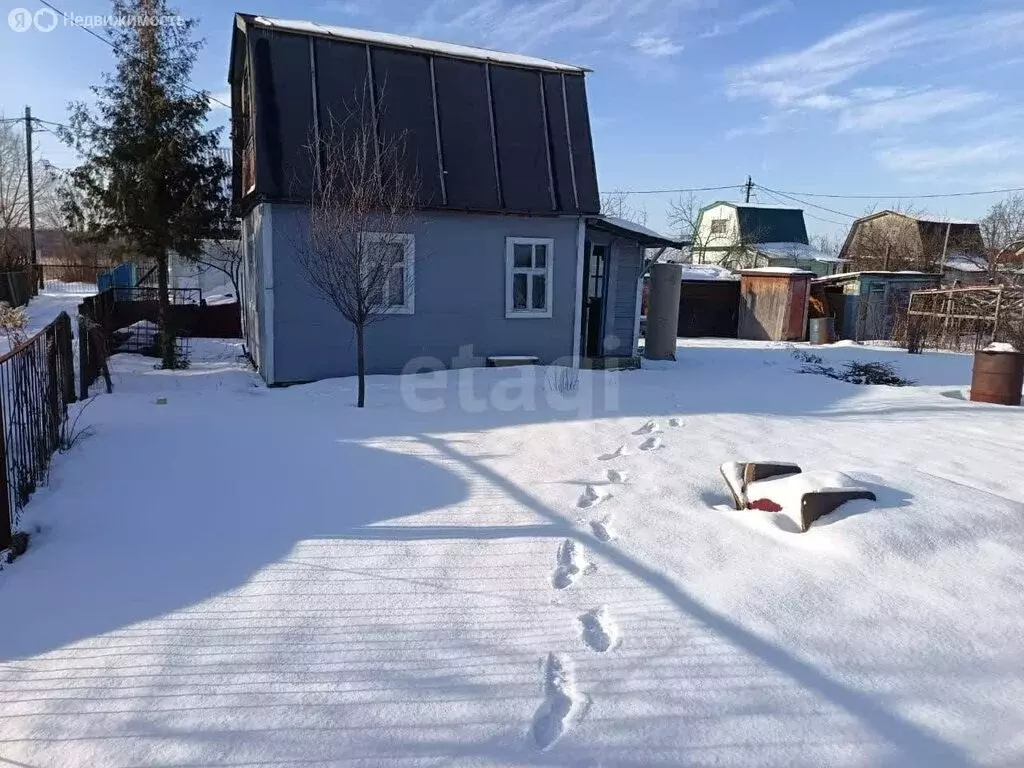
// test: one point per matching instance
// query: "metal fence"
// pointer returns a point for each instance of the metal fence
(37, 381)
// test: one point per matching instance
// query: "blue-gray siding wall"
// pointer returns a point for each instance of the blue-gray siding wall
(459, 300)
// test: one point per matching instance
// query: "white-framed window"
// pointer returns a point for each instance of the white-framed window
(719, 226)
(398, 296)
(528, 276)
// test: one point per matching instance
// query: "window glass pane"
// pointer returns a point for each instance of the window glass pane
(540, 256)
(519, 291)
(396, 286)
(539, 294)
(521, 255)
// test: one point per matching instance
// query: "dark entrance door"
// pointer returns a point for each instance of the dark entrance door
(594, 277)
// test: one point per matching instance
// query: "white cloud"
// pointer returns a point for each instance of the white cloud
(746, 19)
(342, 7)
(928, 159)
(909, 109)
(525, 26)
(656, 46)
(823, 76)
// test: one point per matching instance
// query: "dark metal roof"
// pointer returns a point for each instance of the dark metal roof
(647, 238)
(484, 132)
(759, 223)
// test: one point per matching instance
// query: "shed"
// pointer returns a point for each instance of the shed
(866, 305)
(709, 299)
(773, 303)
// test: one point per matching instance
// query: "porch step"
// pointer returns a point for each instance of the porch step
(503, 361)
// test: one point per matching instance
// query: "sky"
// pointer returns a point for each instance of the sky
(873, 97)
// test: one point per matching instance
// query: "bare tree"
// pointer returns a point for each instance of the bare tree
(1003, 231)
(361, 207)
(617, 204)
(222, 256)
(711, 244)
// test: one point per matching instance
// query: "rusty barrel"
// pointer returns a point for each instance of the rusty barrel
(997, 377)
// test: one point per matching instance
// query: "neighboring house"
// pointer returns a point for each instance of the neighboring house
(752, 235)
(508, 198)
(890, 240)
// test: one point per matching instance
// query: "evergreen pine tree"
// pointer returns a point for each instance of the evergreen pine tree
(151, 176)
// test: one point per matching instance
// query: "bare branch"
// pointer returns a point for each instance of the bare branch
(360, 215)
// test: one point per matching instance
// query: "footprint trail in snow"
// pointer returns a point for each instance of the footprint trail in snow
(599, 631)
(572, 564)
(561, 701)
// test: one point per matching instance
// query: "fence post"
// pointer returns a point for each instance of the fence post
(53, 416)
(6, 518)
(67, 370)
(83, 358)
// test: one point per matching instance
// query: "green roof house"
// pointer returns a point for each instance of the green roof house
(752, 235)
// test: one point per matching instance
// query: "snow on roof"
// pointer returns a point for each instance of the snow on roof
(416, 44)
(766, 206)
(797, 251)
(707, 272)
(632, 226)
(776, 271)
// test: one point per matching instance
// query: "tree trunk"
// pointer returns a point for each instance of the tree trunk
(166, 333)
(360, 365)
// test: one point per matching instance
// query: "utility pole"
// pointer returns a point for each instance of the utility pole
(31, 195)
(749, 185)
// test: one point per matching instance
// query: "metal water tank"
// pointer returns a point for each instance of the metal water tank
(998, 377)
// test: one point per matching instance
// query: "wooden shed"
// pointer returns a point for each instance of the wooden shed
(866, 305)
(773, 303)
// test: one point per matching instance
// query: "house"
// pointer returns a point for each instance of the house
(508, 252)
(867, 305)
(753, 235)
(892, 240)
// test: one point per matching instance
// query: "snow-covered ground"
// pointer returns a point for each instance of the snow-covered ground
(457, 576)
(55, 298)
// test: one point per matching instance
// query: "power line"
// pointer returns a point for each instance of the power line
(805, 202)
(806, 213)
(909, 197)
(98, 36)
(673, 191)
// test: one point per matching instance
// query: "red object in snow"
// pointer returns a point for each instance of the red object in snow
(764, 505)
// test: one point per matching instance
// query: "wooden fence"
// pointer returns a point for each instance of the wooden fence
(963, 319)
(37, 381)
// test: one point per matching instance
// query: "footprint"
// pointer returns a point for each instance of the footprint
(599, 631)
(651, 444)
(648, 429)
(617, 453)
(572, 563)
(675, 422)
(603, 530)
(561, 701)
(591, 497)
(617, 477)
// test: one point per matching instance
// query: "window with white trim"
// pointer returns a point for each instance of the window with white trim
(719, 226)
(398, 295)
(528, 276)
